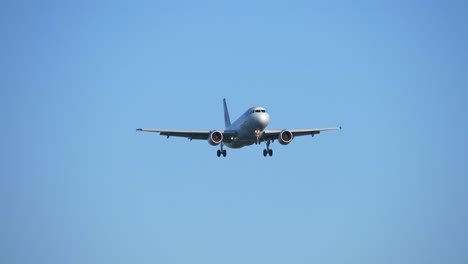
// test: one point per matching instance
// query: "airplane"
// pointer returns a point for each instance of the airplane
(248, 129)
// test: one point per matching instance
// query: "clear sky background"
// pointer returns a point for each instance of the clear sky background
(79, 185)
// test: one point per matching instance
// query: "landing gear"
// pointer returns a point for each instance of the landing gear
(267, 151)
(257, 134)
(221, 151)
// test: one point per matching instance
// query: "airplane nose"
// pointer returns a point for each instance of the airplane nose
(263, 119)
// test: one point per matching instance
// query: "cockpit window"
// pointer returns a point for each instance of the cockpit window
(257, 111)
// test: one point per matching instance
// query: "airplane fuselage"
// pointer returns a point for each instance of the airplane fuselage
(249, 127)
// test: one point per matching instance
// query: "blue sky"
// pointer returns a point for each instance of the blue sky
(79, 185)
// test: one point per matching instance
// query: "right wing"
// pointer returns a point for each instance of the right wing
(190, 134)
(273, 134)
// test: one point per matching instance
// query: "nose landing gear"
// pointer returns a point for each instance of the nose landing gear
(257, 134)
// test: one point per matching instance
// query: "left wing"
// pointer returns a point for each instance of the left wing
(190, 134)
(273, 134)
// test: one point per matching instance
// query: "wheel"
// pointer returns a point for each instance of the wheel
(264, 152)
(270, 152)
(224, 153)
(218, 153)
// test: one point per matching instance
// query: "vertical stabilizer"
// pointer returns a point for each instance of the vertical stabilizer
(227, 120)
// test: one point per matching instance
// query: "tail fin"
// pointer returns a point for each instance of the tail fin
(227, 120)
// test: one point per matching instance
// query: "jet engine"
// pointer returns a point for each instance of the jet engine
(215, 138)
(285, 137)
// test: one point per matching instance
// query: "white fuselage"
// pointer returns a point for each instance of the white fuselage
(249, 127)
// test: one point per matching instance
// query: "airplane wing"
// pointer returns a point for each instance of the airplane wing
(190, 134)
(273, 134)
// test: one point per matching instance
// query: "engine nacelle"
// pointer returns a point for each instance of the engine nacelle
(215, 138)
(285, 137)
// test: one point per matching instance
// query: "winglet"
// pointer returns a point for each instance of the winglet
(227, 120)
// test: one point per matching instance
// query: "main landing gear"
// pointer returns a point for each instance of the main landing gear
(221, 151)
(268, 151)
